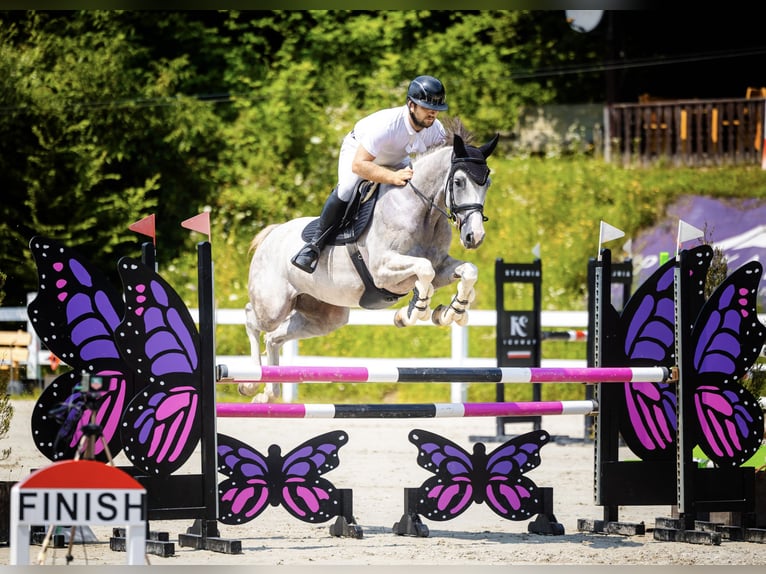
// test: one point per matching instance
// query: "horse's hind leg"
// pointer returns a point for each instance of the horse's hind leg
(254, 335)
(271, 391)
(457, 310)
(311, 318)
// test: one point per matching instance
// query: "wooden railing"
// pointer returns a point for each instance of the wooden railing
(687, 132)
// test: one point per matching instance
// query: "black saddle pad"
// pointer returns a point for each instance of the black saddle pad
(357, 218)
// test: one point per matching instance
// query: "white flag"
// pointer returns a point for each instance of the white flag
(536, 251)
(608, 232)
(687, 232)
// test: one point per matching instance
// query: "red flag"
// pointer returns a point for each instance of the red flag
(145, 227)
(199, 223)
(55, 361)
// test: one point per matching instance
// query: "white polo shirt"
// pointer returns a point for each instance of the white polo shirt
(389, 136)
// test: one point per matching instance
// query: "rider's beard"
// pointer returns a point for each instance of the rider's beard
(421, 124)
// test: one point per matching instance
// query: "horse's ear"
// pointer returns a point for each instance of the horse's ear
(489, 147)
(459, 147)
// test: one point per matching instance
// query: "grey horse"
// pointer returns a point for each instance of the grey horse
(404, 249)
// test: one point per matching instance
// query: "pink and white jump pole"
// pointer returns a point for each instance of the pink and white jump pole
(403, 411)
(588, 375)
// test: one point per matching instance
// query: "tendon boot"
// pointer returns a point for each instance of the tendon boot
(332, 213)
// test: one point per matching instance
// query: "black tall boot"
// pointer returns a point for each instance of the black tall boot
(331, 216)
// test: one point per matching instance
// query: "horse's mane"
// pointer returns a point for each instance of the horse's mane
(453, 125)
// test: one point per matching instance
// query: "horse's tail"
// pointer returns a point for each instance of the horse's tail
(260, 236)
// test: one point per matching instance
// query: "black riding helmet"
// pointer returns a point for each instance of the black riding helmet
(428, 92)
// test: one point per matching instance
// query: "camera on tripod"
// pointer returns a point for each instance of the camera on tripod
(69, 414)
(92, 390)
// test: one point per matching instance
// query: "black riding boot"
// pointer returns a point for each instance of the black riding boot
(331, 216)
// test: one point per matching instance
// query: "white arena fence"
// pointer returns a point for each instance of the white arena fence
(242, 365)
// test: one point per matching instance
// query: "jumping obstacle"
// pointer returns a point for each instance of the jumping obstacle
(404, 411)
(672, 477)
(450, 374)
(616, 483)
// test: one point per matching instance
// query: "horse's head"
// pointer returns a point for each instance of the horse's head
(467, 186)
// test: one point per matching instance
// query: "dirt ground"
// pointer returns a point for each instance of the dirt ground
(377, 464)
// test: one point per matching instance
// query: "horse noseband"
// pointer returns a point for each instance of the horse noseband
(469, 209)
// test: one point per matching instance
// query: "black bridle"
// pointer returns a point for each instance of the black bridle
(477, 170)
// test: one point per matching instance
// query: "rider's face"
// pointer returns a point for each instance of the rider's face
(422, 117)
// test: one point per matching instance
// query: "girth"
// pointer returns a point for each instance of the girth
(356, 220)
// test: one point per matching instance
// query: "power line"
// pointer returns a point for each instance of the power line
(639, 63)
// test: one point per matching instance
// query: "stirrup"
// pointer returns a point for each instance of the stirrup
(313, 250)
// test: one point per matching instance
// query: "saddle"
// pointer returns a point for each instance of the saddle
(355, 221)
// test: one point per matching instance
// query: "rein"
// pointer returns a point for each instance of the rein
(430, 201)
(455, 210)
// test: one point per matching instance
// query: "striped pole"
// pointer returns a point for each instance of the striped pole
(570, 335)
(404, 411)
(292, 374)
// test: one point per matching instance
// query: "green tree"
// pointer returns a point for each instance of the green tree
(96, 135)
(108, 116)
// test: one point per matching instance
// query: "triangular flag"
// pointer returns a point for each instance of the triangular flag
(687, 232)
(536, 251)
(145, 227)
(609, 232)
(199, 223)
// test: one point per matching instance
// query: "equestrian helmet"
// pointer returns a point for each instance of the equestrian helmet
(428, 92)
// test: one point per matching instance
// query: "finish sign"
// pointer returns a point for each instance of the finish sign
(78, 492)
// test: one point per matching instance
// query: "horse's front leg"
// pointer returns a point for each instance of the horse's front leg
(418, 308)
(457, 310)
(395, 272)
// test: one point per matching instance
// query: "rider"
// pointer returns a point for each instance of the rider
(378, 149)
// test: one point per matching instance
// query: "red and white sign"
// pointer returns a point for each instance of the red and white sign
(78, 492)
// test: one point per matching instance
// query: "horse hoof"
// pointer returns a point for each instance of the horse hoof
(262, 398)
(436, 316)
(245, 389)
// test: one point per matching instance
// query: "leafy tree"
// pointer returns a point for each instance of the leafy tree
(107, 116)
(95, 136)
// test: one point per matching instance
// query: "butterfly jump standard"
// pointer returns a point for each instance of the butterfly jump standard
(713, 343)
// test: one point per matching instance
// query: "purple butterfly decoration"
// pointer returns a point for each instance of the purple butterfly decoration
(294, 480)
(160, 342)
(726, 337)
(75, 314)
(462, 478)
(646, 334)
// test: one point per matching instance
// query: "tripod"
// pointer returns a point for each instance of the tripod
(86, 450)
